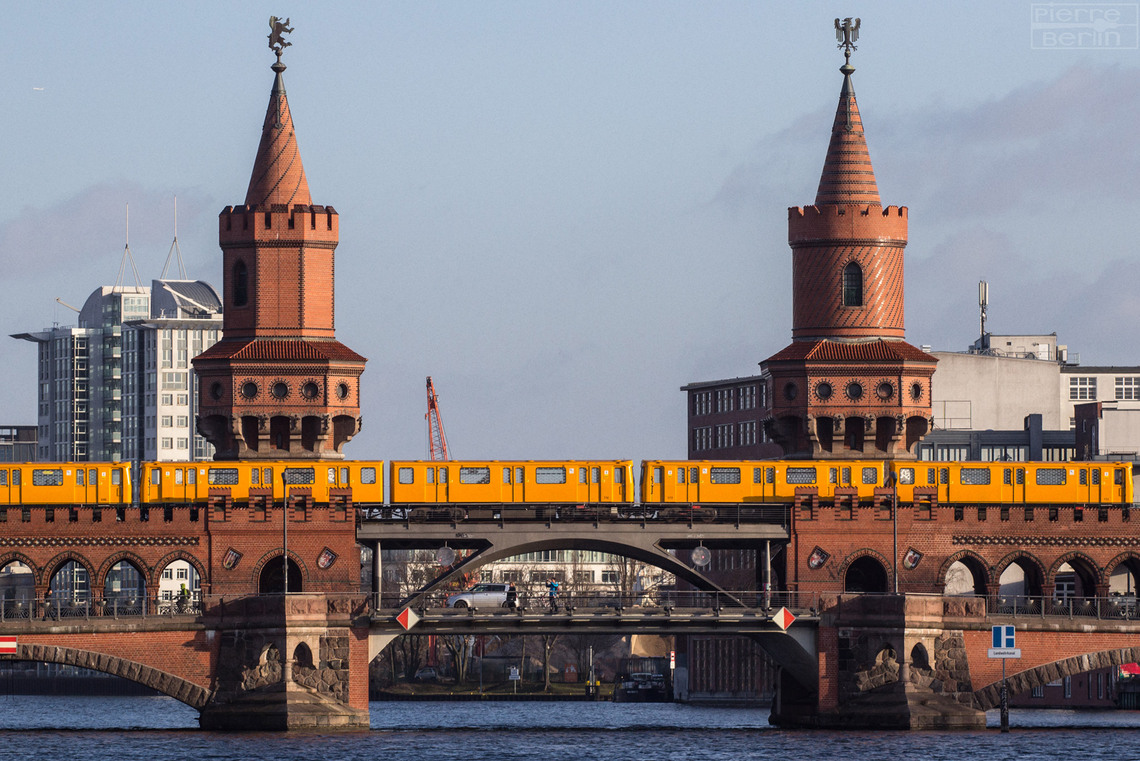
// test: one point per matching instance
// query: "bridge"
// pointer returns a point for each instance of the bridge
(859, 653)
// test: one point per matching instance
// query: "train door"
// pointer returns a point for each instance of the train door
(1012, 489)
(110, 490)
(441, 487)
(5, 496)
(1115, 491)
(657, 482)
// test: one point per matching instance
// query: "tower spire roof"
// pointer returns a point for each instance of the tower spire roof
(848, 176)
(278, 176)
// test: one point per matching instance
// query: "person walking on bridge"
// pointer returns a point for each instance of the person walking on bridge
(552, 590)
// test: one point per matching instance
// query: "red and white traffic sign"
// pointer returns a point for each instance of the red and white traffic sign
(784, 618)
(407, 618)
(8, 645)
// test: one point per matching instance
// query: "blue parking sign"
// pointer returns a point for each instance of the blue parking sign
(1004, 637)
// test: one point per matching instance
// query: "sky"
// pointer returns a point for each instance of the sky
(564, 212)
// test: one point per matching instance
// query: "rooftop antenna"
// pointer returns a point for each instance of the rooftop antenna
(127, 257)
(983, 302)
(175, 250)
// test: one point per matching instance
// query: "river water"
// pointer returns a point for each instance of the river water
(149, 729)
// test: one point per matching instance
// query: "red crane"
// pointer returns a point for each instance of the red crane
(437, 438)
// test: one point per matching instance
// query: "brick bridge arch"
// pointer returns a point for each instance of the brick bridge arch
(989, 696)
(176, 687)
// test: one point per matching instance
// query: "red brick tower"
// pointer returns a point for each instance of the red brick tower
(848, 385)
(278, 385)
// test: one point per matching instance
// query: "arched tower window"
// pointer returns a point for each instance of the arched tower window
(241, 284)
(852, 285)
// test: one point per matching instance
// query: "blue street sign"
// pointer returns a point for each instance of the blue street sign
(1004, 637)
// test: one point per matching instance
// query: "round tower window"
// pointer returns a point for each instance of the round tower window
(280, 389)
(342, 390)
(310, 390)
(885, 390)
(790, 391)
(249, 389)
(216, 391)
(854, 391)
(823, 390)
(916, 391)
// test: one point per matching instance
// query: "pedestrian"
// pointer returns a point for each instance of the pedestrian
(552, 590)
(47, 605)
(512, 597)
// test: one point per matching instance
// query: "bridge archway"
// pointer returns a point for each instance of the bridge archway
(866, 574)
(180, 689)
(17, 584)
(124, 586)
(989, 696)
(1020, 577)
(1075, 575)
(70, 581)
(964, 573)
(1123, 575)
(271, 579)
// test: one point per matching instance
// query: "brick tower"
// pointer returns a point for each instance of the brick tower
(848, 385)
(278, 385)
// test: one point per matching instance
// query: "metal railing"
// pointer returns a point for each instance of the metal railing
(500, 515)
(569, 601)
(41, 609)
(1115, 608)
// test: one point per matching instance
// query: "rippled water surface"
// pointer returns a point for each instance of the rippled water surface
(125, 729)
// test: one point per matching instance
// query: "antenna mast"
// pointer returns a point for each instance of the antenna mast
(437, 438)
(983, 302)
(175, 250)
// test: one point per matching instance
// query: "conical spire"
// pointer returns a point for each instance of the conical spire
(278, 177)
(848, 176)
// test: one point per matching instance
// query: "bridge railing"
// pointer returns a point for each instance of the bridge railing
(1115, 608)
(532, 601)
(58, 609)
(501, 515)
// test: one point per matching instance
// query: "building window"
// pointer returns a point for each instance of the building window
(241, 284)
(1082, 387)
(724, 400)
(747, 435)
(702, 403)
(1128, 388)
(724, 436)
(702, 438)
(852, 285)
(747, 397)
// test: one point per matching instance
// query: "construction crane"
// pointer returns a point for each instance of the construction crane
(437, 438)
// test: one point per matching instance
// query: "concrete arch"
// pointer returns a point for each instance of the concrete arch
(650, 553)
(867, 552)
(153, 580)
(989, 696)
(1081, 564)
(972, 561)
(176, 687)
(99, 581)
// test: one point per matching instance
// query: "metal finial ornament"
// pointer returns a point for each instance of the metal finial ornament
(278, 28)
(846, 32)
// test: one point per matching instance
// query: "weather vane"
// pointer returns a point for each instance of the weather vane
(278, 28)
(845, 31)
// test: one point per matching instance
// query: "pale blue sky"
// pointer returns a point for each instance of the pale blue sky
(565, 211)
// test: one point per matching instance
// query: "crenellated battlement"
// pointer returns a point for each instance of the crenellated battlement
(846, 222)
(299, 222)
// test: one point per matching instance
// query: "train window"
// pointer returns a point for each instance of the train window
(725, 476)
(550, 475)
(331, 475)
(1006, 476)
(833, 475)
(870, 475)
(15, 477)
(267, 477)
(79, 477)
(191, 475)
(474, 475)
(300, 475)
(1096, 477)
(506, 475)
(619, 474)
(693, 475)
(595, 475)
(930, 476)
(443, 475)
(680, 475)
(581, 475)
(368, 475)
(519, 476)
(944, 476)
(254, 476)
(46, 477)
(1020, 476)
(1084, 477)
(430, 477)
(801, 475)
(847, 475)
(3, 477)
(1051, 476)
(155, 476)
(770, 475)
(178, 475)
(223, 476)
(975, 476)
(906, 475)
(117, 476)
(757, 475)
(1118, 478)
(407, 476)
(344, 479)
(658, 474)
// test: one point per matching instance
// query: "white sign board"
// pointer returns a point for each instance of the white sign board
(1004, 642)
(514, 677)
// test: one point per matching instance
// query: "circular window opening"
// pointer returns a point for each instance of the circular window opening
(885, 390)
(854, 391)
(823, 390)
(790, 391)
(280, 390)
(249, 389)
(342, 390)
(916, 391)
(310, 390)
(216, 391)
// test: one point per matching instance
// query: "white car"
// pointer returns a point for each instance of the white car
(480, 596)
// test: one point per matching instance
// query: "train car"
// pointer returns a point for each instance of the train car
(1015, 483)
(545, 488)
(732, 482)
(65, 483)
(194, 482)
